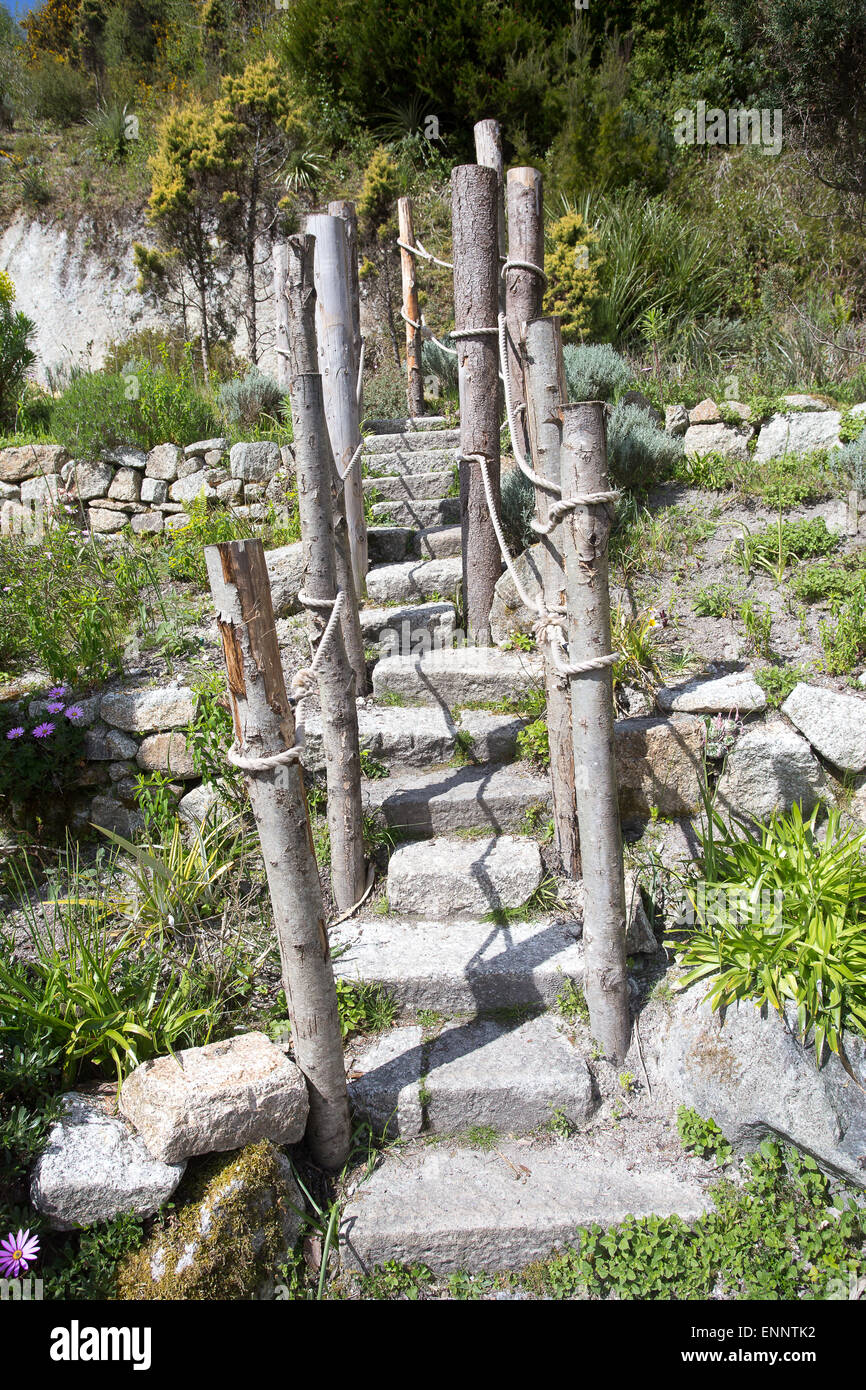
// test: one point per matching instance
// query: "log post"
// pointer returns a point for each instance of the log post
(414, 370)
(342, 207)
(488, 152)
(264, 726)
(281, 328)
(335, 330)
(545, 393)
(476, 305)
(584, 535)
(336, 681)
(524, 289)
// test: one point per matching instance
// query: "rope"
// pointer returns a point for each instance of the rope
(537, 605)
(359, 385)
(470, 332)
(558, 510)
(523, 265)
(509, 414)
(418, 250)
(347, 470)
(427, 333)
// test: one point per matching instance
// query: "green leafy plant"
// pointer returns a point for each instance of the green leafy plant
(41, 754)
(716, 601)
(533, 743)
(703, 1137)
(758, 622)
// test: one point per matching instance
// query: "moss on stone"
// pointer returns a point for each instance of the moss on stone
(240, 1217)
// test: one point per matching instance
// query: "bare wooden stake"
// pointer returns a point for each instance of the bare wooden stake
(524, 289)
(335, 331)
(336, 680)
(488, 152)
(414, 370)
(265, 726)
(584, 535)
(545, 392)
(476, 305)
(281, 330)
(342, 207)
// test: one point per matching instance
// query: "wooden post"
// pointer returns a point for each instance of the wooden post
(342, 207)
(264, 726)
(336, 681)
(545, 393)
(281, 328)
(476, 305)
(524, 290)
(488, 152)
(335, 330)
(584, 535)
(414, 370)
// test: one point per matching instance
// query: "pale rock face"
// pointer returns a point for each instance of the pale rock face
(835, 725)
(154, 490)
(797, 433)
(286, 573)
(721, 695)
(769, 769)
(189, 488)
(162, 462)
(30, 461)
(730, 440)
(126, 486)
(255, 462)
(221, 1096)
(166, 753)
(706, 412)
(659, 763)
(93, 479)
(146, 710)
(206, 446)
(454, 878)
(104, 521)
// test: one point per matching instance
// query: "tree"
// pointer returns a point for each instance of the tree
(16, 355)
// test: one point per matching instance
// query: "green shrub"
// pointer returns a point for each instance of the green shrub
(245, 399)
(640, 453)
(59, 93)
(211, 525)
(436, 362)
(851, 462)
(780, 918)
(595, 372)
(16, 354)
(533, 743)
(517, 510)
(42, 754)
(572, 263)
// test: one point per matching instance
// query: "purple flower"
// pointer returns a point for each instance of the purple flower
(15, 733)
(56, 691)
(74, 712)
(43, 730)
(17, 1253)
(55, 707)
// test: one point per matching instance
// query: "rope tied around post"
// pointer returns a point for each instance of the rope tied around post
(523, 265)
(418, 250)
(557, 511)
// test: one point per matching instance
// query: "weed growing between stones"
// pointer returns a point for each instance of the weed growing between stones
(702, 1137)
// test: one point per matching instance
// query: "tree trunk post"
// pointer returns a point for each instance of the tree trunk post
(281, 322)
(488, 153)
(524, 289)
(584, 535)
(414, 370)
(545, 393)
(345, 209)
(264, 727)
(476, 305)
(335, 331)
(336, 680)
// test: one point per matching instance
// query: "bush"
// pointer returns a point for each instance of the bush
(640, 453)
(245, 399)
(59, 93)
(213, 525)
(851, 462)
(517, 510)
(594, 372)
(41, 755)
(16, 354)
(572, 264)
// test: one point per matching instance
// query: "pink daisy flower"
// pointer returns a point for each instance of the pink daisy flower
(74, 712)
(43, 730)
(56, 691)
(15, 733)
(17, 1253)
(55, 707)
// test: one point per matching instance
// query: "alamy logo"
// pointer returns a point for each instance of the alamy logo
(77, 1343)
(738, 126)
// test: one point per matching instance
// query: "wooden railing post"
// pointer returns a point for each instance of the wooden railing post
(265, 727)
(281, 329)
(414, 370)
(524, 289)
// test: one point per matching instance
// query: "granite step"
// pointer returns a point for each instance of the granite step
(402, 487)
(429, 460)
(489, 797)
(453, 878)
(403, 441)
(423, 513)
(403, 423)
(414, 580)
(437, 542)
(458, 675)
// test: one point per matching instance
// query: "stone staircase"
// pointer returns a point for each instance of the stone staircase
(465, 939)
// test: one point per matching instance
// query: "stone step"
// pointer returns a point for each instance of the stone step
(456, 1208)
(404, 423)
(467, 798)
(408, 461)
(415, 579)
(405, 620)
(460, 967)
(436, 542)
(422, 736)
(403, 441)
(390, 545)
(442, 511)
(401, 487)
(507, 1076)
(458, 675)
(453, 878)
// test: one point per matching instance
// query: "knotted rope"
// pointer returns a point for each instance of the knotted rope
(418, 250)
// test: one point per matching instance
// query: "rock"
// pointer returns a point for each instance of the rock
(438, 542)
(30, 461)
(637, 398)
(93, 479)
(389, 545)
(729, 440)
(166, 753)
(458, 676)
(468, 798)
(385, 1085)
(206, 446)
(676, 419)
(108, 745)
(443, 511)
(147, 522)
(42, 489)
(194, 807)
(89, 706)
(411, 737)
(769, 769)
(808, 403)
(95, 1167)
(154, 490)
(379, 624)
(221, 1096)
(286, 573)
(162, 462)
(706, 412)
(255, 462)
(176, 522)
(463, 878)
(104, 521)
(738, 408)
(416, 579)
(126, 486)
(10, 493)
(659, 763)
(798, 433)
(214, 458)
(508, 614)
(240, 1221)
(254, 492)
(126, 457)
(141, 711)
(109, 814)
(230, 490)
(750, 1073)
(494, 736)
(187, 467)
(834, 724)
(738, 693)
(189, 488)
